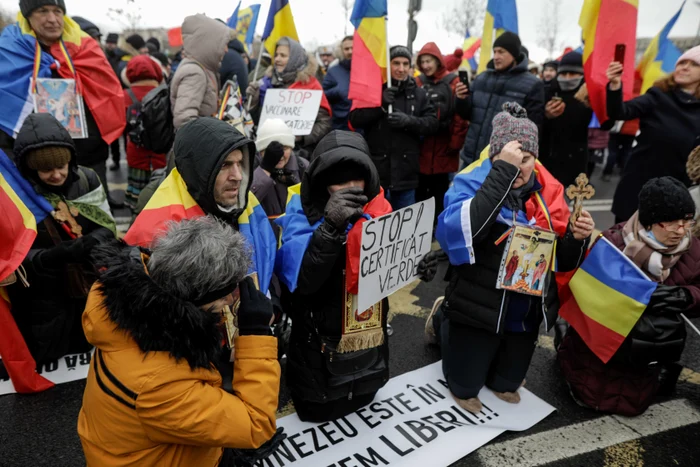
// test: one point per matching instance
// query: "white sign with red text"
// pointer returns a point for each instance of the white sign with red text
(297, 107)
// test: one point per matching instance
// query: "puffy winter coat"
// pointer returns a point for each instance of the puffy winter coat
(440, 152)
(669, 129)
(153, 396)
(233, 65)
(489, 91)
(336, 85)
(396, 151)
(48, 311)
(194, 90)
(620, 387)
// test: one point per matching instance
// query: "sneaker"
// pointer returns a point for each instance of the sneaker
(430, 337)
(510, 397)
(472, 405)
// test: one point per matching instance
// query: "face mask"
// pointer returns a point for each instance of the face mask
(569, 84)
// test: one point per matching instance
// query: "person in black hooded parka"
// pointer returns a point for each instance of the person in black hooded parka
(233, 64)
(325, 383)
(58, 268)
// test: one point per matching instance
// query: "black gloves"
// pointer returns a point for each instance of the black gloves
(399, 119)
(389, 96)
(344, 206)
(71, 251)
(669, 299)
(255, 312)
(428, 266)
(273, 155)
(251, 457)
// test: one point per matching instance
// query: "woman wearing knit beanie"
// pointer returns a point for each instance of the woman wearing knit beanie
(488, 334)
(658, 239)
(669, 128)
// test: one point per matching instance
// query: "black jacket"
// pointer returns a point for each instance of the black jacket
(48, 312)
(396, 152)
(669, 128)
(489, 91)
(564, 140)
(234, 65)
(471, 298)
(314, 376)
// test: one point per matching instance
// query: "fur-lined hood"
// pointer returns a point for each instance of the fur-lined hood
(134, 310)
(303, 76)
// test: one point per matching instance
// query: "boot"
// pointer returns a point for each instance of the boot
(668, 377)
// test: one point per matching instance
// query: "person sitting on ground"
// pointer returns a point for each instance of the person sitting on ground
(487, 335)
(153, 395)
(331, 374)
(58, 265)
(278, 166)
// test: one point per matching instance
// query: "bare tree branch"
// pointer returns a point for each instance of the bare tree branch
(549, 28)
(347, 6)
(465, 15)
(129, 16)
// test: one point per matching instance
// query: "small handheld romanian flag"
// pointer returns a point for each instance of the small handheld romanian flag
(609, 295)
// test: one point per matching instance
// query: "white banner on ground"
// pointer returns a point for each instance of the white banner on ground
(392, 247)
(413, 421)
(64, 370)
(297, 107)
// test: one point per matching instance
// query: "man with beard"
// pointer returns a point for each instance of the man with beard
(336, 85)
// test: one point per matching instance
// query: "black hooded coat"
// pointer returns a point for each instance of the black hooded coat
(234, 65)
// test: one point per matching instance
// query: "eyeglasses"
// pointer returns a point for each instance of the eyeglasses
(678, 225)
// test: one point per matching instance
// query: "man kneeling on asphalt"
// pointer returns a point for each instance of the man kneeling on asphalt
(153, 394)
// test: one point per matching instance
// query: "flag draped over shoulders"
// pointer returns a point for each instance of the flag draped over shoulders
(173, 202)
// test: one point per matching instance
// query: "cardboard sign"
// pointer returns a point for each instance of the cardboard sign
(297, 107)
(392, 247)
(413, 420)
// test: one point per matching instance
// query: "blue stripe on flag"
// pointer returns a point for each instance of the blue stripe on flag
(261, 237)
(37, 204)
(275, 7)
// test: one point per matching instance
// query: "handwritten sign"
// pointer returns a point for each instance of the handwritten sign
(392, 247)
(413, 420)
(297, 107)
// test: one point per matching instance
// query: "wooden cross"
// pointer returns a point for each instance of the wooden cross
(577, 193)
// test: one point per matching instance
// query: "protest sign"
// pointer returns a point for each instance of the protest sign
(297, 107)
(64, 370)
(392, 247)
(413, 421)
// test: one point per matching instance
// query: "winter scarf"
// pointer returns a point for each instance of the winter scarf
(655, 259)
(298, 60)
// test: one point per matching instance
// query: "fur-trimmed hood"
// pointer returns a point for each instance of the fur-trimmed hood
(137, 311)
(303, 76)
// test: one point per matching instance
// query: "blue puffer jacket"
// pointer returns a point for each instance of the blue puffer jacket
(489, 91)
(336, 85)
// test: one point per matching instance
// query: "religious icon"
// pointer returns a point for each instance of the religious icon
(527, 258)
(577, 193)
(59, 98)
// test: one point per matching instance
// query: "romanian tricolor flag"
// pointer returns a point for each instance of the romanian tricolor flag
(604, 24)
(470, 46)
(609, 295)
(280, 23)
(20, 210)
(173, 202)
(546, 209)
(369, 57)
(660, 57)
(501, 15)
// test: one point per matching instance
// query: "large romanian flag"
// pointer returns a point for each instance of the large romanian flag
(609, 295)
(470, 46)
(369, 57)
(173, 202)
(280, 23)
(20, 210)
(604, 24)
(660, 57)
(77, 56)
(501, 16)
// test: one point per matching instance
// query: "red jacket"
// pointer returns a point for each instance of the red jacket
(440, 153)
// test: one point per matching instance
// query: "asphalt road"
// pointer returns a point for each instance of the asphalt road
(40, 430)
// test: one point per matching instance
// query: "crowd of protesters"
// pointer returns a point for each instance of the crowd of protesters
(264, 227)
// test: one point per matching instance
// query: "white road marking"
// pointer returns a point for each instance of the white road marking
(593, 435)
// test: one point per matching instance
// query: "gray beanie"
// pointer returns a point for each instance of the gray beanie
(513, 125)
(400, 51)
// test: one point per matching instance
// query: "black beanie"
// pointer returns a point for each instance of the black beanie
(343, 172)
(155, 42)
(136, 41)
(571, 63)
(112, 38)
(551, 64)
(28, 6)
(664, 199)
(511, 42)
(400, 51)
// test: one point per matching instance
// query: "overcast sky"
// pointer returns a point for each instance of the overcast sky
(320, 25)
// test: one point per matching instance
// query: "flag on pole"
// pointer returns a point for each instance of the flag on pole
(501, 15)
(280, 23)
(660, 57)
(470, 46)
(369, 57)
(604, 24)
(609, 293)
(244, 21)
(233, 20)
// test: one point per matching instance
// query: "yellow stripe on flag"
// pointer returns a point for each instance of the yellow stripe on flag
(373, 33)
(486, 43)
(589, 22)
(605, 305)
(28, 218)
(284, 27)
(172, 191)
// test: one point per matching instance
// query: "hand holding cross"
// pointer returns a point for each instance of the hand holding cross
(577, 193)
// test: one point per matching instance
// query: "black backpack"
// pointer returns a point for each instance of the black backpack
(440, 94)
(133, 113)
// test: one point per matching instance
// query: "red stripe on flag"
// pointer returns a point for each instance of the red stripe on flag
(153, 222)
(366, 80)
(15, 238)
(469, 53)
